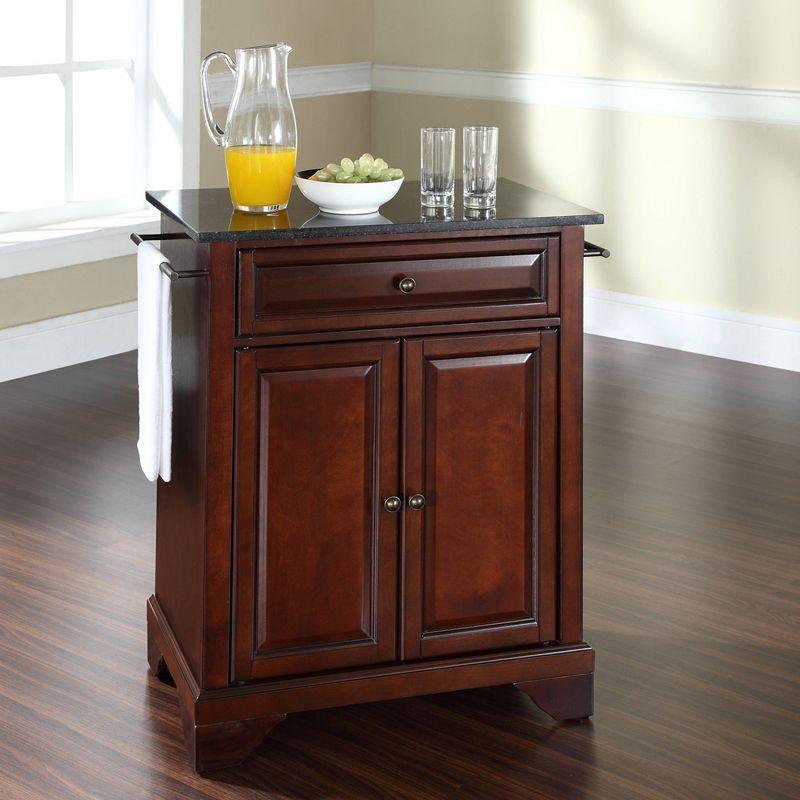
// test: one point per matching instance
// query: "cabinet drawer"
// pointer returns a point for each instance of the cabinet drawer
(346, 286)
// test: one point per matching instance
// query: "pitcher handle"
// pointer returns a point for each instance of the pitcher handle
(214, 130)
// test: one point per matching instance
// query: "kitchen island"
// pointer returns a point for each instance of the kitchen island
(376, 464)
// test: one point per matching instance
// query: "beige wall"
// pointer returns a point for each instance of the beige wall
(732, 42)
(698, 211)
(28, 298)
(321, 32)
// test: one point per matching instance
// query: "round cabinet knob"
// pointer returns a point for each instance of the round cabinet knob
(392, 504)
(407, 285)
(416, 502)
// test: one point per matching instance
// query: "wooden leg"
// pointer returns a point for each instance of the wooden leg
(211, 745)
(158, 666)
(225, 744)
(571, 697)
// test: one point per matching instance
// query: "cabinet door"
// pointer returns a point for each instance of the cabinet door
(315, 552)
(480, 446)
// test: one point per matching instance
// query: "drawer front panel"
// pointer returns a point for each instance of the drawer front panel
(337, 287)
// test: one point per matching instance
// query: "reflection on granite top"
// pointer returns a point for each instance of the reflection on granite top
(208, 216)
(324, 220)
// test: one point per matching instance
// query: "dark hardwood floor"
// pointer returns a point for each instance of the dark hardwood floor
(692, 601)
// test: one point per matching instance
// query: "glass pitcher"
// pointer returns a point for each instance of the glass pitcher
(260, 136)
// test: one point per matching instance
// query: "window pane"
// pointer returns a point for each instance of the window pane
(31, 142)
(103, 134)
(32, 32)
(103, 29)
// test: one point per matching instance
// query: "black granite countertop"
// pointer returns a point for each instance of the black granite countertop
(208, 216)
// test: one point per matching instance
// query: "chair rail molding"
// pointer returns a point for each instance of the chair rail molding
(681, 99)
(316, 81)
(676, 98)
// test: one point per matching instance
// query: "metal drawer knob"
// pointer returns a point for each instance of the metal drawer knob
(406, 285)
(392, 504)
(416, 502)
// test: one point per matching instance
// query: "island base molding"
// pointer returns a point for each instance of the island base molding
(222, 727)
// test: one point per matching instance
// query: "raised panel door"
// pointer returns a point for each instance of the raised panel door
(480, 446)
(315, 580)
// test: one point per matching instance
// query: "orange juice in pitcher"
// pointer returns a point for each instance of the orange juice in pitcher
(260, 175)
(260, 135)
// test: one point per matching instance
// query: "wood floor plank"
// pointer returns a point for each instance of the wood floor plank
(692, 534)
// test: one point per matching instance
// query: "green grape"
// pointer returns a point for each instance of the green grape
(365, 169)
(366, 163)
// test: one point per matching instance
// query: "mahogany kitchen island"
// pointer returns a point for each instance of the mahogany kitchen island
(376, 460)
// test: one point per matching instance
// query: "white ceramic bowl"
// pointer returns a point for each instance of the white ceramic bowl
(346, 198)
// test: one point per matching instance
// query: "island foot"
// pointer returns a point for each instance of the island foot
(570, 697)
(225, 744)
(155, 659)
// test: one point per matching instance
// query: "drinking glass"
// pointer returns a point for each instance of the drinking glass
(480, 213)
(437, 214)
(437, 169)
(480, 166)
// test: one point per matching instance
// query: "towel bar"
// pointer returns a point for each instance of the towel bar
(595, 251)
(589, 251)
(165, 266)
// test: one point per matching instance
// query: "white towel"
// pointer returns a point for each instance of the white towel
(155, 364)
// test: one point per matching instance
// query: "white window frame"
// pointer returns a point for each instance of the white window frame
(41, 239)
(136, 68)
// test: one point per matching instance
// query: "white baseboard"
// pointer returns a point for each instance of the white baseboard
(63, 341)
(769, 341)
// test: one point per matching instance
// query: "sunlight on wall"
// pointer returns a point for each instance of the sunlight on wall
(732, 42)
(698, 211)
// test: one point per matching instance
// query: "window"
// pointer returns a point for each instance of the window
(92, 109)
